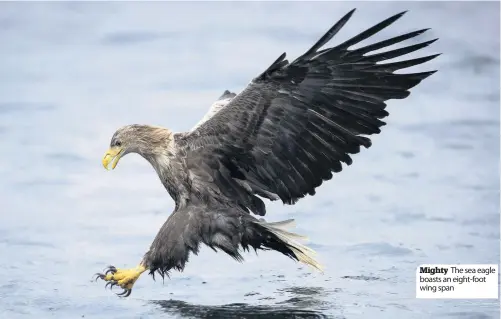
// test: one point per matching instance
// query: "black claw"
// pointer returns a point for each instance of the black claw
(110, 283)
(99, 276)
(110, 269)
(125, 293)
(122, 293)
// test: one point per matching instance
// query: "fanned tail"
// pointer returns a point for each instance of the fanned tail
(276, 237)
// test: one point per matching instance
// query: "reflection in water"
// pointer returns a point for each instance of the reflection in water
(236, 310)
(301, 298)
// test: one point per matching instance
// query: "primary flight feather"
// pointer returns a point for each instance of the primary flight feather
(288, 131)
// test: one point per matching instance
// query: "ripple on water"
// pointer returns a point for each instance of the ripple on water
(468, 315)
(13, 107)
(379, 249)
(235, 310)
(134, 37)
(363, 278)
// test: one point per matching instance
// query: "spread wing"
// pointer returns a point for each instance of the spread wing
(217, 106)
(296, 123)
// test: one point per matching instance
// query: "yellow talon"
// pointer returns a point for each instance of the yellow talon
(124, 278)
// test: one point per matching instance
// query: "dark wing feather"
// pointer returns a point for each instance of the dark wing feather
(296, 123)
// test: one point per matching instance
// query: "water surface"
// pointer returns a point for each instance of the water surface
(71, 73)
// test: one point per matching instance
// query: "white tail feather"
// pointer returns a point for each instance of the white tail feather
(304, 254)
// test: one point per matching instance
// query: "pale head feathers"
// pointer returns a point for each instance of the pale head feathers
(146, 140)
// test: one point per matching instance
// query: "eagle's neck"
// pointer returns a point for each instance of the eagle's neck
(172, 175)
(157, 146)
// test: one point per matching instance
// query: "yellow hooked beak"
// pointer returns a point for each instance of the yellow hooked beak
(112, 155)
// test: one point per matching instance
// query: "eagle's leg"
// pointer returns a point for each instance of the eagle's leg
(125, 278)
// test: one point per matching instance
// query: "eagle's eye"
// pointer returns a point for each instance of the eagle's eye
(118, 143)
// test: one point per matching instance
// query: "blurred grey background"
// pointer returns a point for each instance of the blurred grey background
(71, 73)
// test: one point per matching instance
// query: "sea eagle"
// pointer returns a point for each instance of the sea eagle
(288, 131)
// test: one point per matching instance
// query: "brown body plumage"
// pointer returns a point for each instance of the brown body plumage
(280, 138)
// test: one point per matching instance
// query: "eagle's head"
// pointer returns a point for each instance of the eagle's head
(145, 140)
